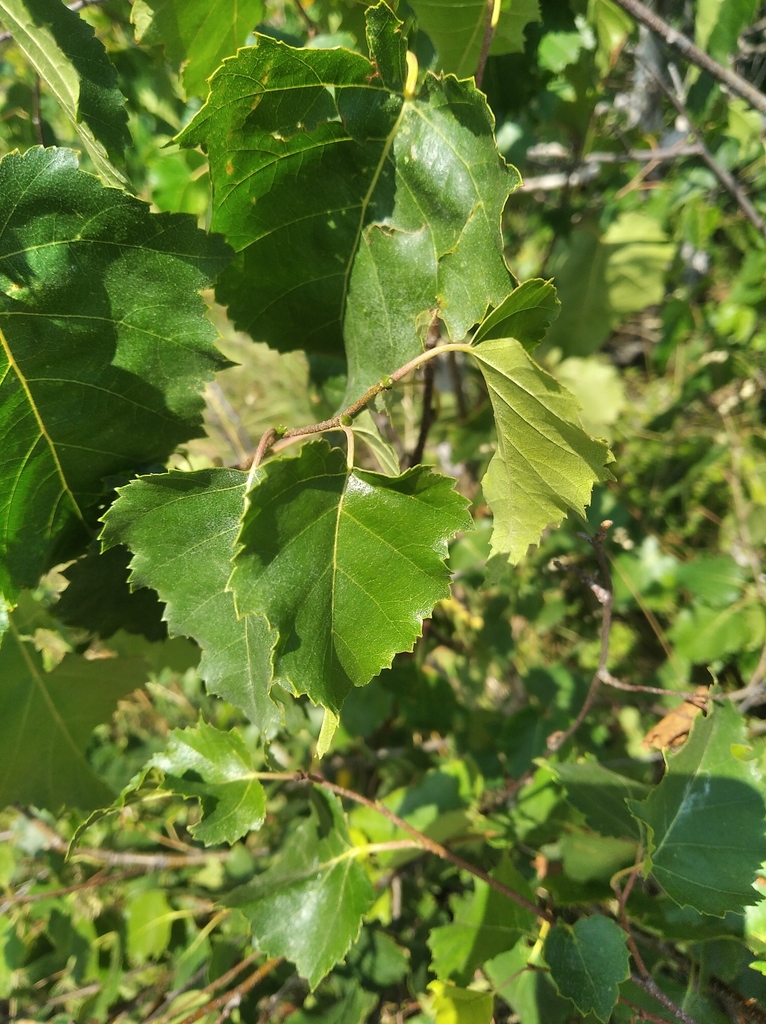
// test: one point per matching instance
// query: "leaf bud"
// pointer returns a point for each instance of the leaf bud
(346, 420)
(386, 383)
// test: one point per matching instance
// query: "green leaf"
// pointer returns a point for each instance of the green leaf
(308, 907)
(149, 919)
(529, 993)
(705, 819)
(46, 720)
(602, 795)
(718, 25)
(453, 1005)
(484, 924)
(104, 350)
(705, 634)
(365, 429)
(613, 25)
(73, 63)
(100, 600)
(601, 278)
(588, 857)
(525, 314)
(345, 566)
(225, 765)
(545, 465)
(181, 528)
(588, 962)
(196, 33)
(456, 28)
(354, 209)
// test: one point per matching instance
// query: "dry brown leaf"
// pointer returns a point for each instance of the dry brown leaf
(673, 729)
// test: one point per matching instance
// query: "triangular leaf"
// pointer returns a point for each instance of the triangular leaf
(181, 527)
(316, 157)
(64, 51)
(104, 350)
(308, 907)
(706, 819)
(485, 924)
(588, 963)
(345, 566)
(196, 33)
(46, 719)
(456, 28)
(525, 314)
(545, 464)
(224, 763)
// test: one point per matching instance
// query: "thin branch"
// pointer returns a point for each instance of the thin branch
(642, 1013)
(343, 418)
(721, 174)
(311, 28)
(427, 843)
(238, 993)
(694, 55)
(416, 456)
(691, 695)
(100, 878)
(605, 595)
(650, 985)
(489, 32)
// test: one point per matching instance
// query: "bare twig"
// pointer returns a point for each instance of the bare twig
(100, 878)
(650, 985)
(605, 595)
(722, 175)
(691, 695)
(694, 55)
(642, 1013)
(236, 994)
(486, 42)
(416, 456)
(426, 843)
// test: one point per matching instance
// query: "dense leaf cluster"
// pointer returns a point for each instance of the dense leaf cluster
(347, 723)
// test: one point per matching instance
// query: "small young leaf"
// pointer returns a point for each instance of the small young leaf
(308, 907)
(452, 1005)
(344, 566)
(181, 528)
(545, 464)
(485, 924)
(705, 819)
(196, 33)
(73, 63)
(225, 765)
(525, 314)
(104, 350)
(588, 962)
(46, 719)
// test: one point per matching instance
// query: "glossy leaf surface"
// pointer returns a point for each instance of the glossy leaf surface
(104, 348)
(545, 464)
(588, 962)
(344, 566)
(308, 907)
(705, 819)
(73, 63)
(196, 33)
(181, 528)
(225, 764)
(46, 720)
(349, 202)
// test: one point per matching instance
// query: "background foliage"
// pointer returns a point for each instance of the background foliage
(187, 835)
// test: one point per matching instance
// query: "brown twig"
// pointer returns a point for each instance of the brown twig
(486, 42)
(722, 175)
(694, 55)
(691, 695)
(427, 843)
(100, 878)
(642, 1013)
(236, 994)
(650, 985)
(605, 595)
(416, 455)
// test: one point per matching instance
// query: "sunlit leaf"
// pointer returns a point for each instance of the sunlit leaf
(104, 350)
(308, 907)
(345, 566)
(181, 528)
(705, 819)
(225, 765)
